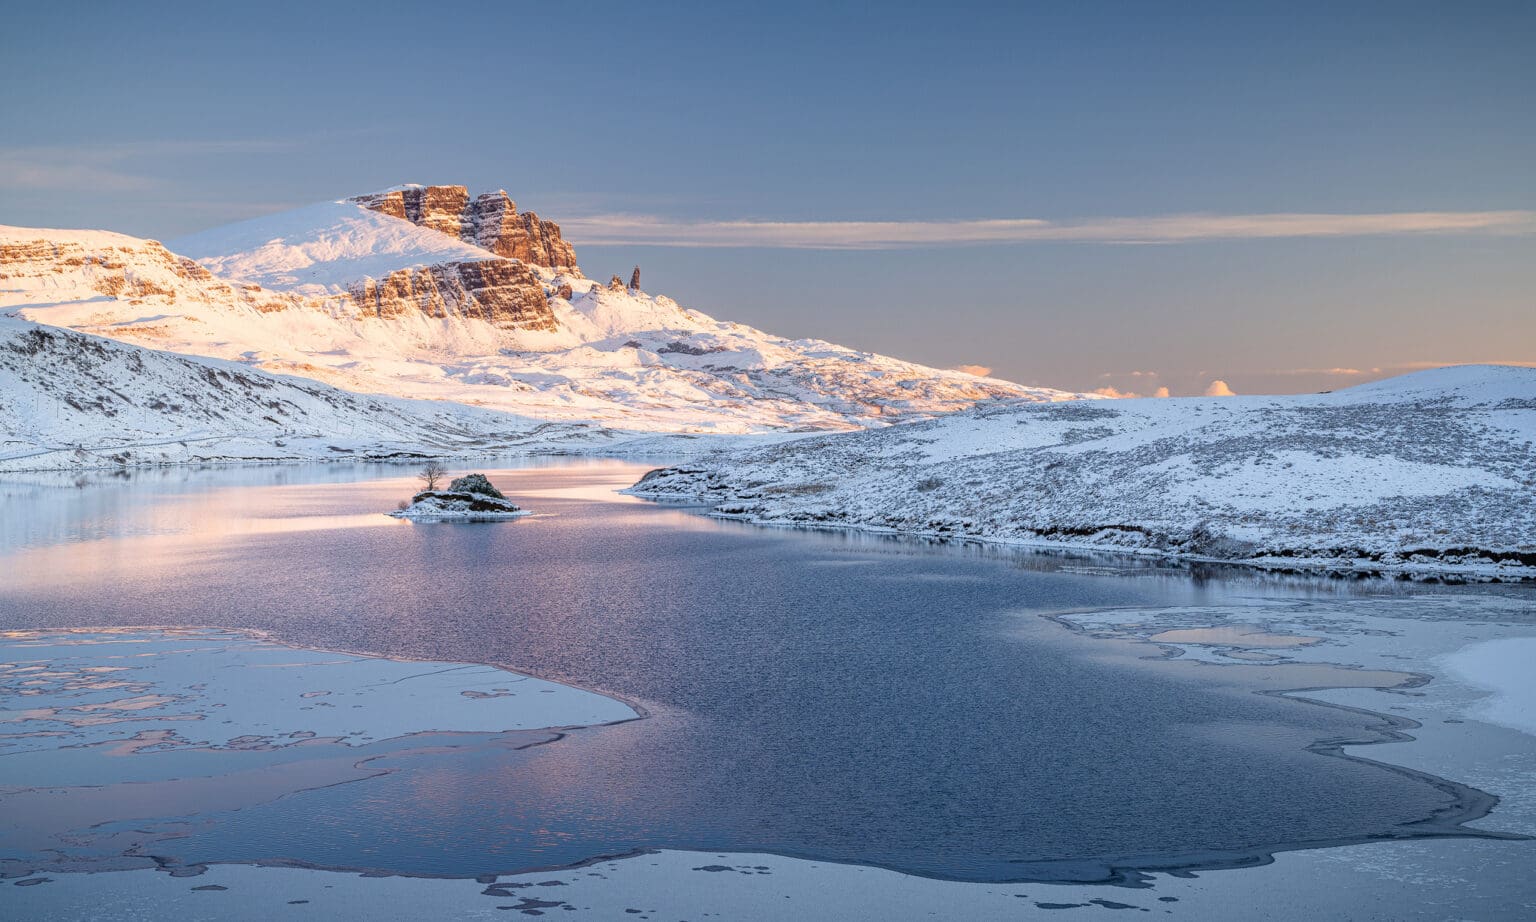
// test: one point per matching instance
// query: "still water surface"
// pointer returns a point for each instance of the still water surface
(829, 696)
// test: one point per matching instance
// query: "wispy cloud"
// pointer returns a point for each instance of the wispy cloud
(647, 230)
(1342, 372)
(117, 167)
(980, 371)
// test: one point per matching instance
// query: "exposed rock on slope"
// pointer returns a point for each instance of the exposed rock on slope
(491, 222)
(62, 265)
(501, 292)
(1427, 472)
(368, 264)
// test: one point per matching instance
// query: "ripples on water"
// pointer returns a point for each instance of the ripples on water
(828, 696)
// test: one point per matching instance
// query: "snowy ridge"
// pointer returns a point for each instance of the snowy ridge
(317, 250)
(72, 401)
(41, 267)
(1429, 472)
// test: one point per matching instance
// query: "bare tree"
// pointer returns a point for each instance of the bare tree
(431, 473)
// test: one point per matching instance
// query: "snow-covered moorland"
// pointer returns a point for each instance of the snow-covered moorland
(1429, 472)
(371, 302)
(68, 400)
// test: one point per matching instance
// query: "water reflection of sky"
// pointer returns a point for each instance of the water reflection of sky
(847, 697)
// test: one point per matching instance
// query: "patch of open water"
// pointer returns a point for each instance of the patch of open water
(840, 697)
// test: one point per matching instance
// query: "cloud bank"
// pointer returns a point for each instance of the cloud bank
(646, 230)
(1117, 393)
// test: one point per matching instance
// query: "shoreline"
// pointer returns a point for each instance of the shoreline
(1314, 566)
(1493, 566)
(614, 451)
(1147, 877)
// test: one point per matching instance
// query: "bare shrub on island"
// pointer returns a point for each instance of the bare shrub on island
(431, 474)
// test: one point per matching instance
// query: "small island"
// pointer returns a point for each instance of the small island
(471, 498)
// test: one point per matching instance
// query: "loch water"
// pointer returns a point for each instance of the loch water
(842, 697)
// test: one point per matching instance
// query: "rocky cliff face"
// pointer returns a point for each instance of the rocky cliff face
(500, 291)
(491, 221)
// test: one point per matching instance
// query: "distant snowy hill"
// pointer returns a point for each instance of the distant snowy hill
(69, 400)
(425, 292)
(1426, 472)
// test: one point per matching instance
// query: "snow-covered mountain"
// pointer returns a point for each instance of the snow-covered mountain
(70, 400)
(424, 292)
(1429, 471)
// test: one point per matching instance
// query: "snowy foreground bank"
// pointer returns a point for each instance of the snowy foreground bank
(1433, 472)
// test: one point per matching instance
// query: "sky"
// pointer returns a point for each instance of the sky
(1272, 197)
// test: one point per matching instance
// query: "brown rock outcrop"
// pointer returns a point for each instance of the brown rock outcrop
(499, 291)
(130, 271)
(491, 222)
(500, 228)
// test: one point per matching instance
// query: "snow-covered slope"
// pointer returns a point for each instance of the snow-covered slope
(375, 303)
(1430, 471)
(319, 249)
(69, 400)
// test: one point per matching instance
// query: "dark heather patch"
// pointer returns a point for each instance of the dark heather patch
(532, 907)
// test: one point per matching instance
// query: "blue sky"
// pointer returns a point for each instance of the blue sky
(769, 126)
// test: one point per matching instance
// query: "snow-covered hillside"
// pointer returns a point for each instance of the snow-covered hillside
(69, 400)
(1430, 471)
(364, 300)
(319, 249)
